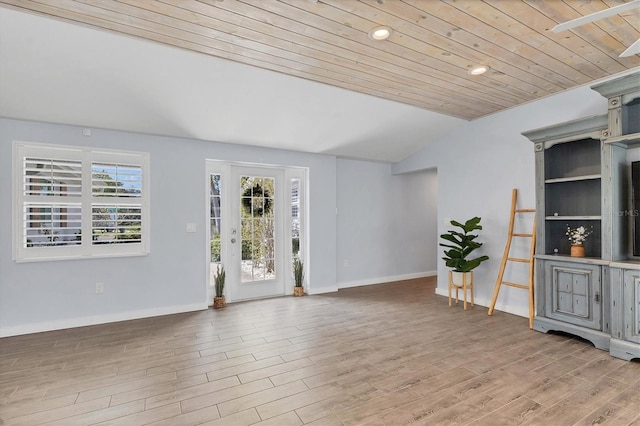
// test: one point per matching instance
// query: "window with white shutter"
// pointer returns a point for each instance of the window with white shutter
(76, 202)
(116, 209)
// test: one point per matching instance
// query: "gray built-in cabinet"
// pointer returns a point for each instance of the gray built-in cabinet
(583, 178)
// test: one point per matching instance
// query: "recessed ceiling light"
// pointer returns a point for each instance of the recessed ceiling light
(380, 33)
(478, 70)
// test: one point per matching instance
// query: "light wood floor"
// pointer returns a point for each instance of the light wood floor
(388, 354)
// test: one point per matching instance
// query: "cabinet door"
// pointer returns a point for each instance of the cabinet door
(573, 293)
(631, 306)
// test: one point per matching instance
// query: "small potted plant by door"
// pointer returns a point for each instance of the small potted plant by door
(219, 300)
(298, 276)
(460, 245)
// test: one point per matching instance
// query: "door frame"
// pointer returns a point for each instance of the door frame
(223, 168)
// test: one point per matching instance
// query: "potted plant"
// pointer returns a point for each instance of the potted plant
(461, 244)
(298, 276)
(578, 236)
(218, 300)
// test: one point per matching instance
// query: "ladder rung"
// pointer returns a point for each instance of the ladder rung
(525, 210)
(526, 287)
(522, 235)
(518, 259)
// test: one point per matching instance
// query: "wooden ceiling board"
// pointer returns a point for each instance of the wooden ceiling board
(590, 36)
(425, 61)
(528, 41)
(505, 75)
(527, 16)
(401, 66)
(460, 43)
(456, 75)
(616, 25)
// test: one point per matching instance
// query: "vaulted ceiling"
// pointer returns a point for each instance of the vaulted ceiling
(425, 61)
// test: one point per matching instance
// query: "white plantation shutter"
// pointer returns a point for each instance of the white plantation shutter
(52, 188)
(116, 224)
(116, 180)
(52, 224)
(52, 177)
(116, 209)
(76, 202)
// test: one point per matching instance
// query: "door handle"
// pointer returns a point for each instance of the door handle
(596, 297)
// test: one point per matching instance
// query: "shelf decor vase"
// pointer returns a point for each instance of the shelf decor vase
(577, 250)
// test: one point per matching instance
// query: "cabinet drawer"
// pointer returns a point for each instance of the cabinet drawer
(573, 293)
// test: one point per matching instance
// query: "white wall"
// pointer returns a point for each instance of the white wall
(39, 296)
(386, 223)
(478, 166)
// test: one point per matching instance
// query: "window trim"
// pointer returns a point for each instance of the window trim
(87, 156)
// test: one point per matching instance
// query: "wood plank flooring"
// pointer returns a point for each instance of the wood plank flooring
(388, 354)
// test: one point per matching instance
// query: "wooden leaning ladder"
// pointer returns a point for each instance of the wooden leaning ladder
(506, 258)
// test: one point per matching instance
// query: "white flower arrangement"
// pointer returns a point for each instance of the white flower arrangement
(578, 235)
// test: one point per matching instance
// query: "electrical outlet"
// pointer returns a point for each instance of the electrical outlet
(99, 288)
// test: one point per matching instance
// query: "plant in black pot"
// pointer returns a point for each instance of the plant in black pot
(460, 244)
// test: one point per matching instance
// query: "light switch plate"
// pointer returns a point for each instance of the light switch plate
(191, 227)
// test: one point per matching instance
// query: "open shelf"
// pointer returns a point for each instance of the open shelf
(573, 178)
(557, 242)
(573, 160)
(629, 141)
(579, 198)
(573, 217)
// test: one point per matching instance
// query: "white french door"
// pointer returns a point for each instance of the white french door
(248, 230)
(256, 234)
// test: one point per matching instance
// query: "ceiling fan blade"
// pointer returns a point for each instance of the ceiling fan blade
(634, 49)
(596, 16)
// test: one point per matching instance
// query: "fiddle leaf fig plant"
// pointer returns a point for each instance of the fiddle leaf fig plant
(461, 244)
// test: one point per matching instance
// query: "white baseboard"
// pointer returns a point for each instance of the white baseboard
(98, 319)
(322, 290)
(521, 311)
(382, 280)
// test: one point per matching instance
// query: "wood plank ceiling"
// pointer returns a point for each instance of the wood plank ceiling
(424, 62)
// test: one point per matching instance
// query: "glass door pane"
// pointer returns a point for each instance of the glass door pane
(215, 219)
(295, 218)
(258, 228)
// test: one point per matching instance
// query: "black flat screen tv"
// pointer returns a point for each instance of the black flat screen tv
(635, 202)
